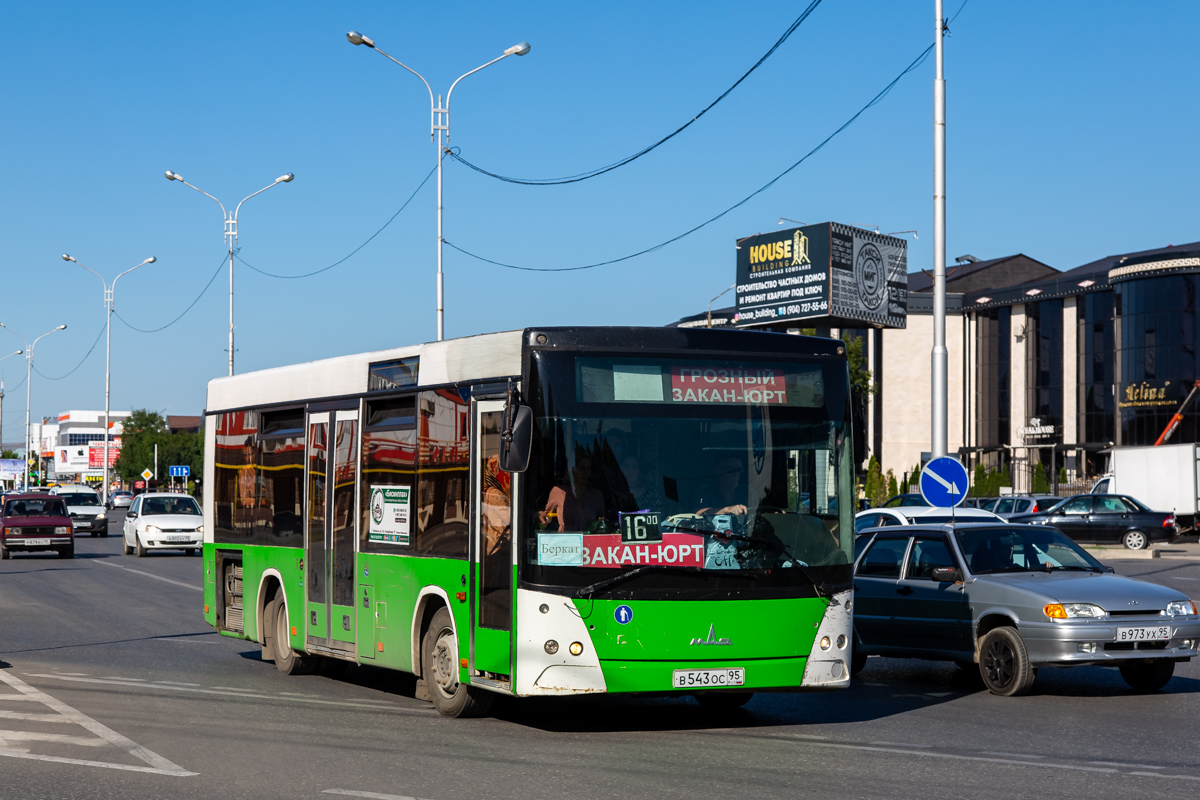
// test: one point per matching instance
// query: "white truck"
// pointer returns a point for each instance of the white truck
(1165, 478)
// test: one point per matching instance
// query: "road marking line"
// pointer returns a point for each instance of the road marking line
(370, 705)
(1122, 764)
(85, 763)
(373, 795)
(6, 696)
(35, 717)
(1015, 755)
(29, 736)
(902, 744)
(1165, 775)
(155, 577)
(157, 763)
(176, 683)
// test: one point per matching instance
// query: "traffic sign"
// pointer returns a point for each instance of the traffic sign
(180, 472)
(139, 484)
(944, 482)
(147, 474)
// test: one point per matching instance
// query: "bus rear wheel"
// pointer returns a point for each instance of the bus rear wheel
(440, 650)
(287, 660)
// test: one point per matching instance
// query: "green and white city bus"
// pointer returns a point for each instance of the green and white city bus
(550, 511)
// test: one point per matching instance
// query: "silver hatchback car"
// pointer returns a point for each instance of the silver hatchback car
(1012, 598)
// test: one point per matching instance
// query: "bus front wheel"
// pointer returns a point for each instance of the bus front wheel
(441, 670)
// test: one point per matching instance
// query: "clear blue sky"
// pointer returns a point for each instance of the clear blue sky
(1071, 136)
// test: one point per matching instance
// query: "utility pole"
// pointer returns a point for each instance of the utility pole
(940, 365)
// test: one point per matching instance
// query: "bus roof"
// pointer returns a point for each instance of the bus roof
(449, 361)
(485, 356)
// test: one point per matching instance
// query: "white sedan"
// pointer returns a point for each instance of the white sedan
(919, 515)
(163, 522)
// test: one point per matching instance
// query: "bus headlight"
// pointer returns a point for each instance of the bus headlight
(825, 643)
(576, 648)
(551, 647)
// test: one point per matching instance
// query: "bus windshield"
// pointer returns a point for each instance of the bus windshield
(728, 474)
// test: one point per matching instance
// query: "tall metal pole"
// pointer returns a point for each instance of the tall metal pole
(940, 364)
(441, 122)
(230, 237)
(439, 116)
(108, 308)
(28, 373)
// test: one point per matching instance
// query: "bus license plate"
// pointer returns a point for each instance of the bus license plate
(709, 678)
(1149, 633)
(29, 542)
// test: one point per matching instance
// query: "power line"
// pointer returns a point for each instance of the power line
(352, 252)
(186, 310)
(77, 366)
(583, 176)
(876, 99)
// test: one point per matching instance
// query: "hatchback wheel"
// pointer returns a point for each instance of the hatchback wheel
(1004, 663)
(1135, 540)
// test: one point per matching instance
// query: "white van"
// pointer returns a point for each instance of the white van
(84, 506)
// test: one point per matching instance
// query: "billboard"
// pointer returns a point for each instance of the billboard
(848, 275)
(96, 453)
(71, 460)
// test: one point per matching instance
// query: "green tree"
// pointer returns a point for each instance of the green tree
(978, 482)
(860, 374)
(1041, 482)
(892, 489)
(875, 487)
(9, 454)
(141, 432)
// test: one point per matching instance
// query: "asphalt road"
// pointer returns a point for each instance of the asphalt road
(112, 686)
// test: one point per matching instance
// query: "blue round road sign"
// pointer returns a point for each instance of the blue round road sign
(944, 482)
(623, 614)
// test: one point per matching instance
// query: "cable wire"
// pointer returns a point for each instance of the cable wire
(77, 366)
(876, 99)
(186, 310)
(583, 176)
(352, 252)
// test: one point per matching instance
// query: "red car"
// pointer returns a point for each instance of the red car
(33, 522)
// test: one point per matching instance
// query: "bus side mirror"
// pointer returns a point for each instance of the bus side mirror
(517, 438)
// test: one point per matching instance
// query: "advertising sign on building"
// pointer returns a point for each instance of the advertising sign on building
(833, 271)
(96, 453)
(72, 459)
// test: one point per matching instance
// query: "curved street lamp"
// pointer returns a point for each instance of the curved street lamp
(231, 235)
(28, 379)
(439, 121)
(109, 288)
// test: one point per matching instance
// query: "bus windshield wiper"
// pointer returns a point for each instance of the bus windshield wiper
(587, 591)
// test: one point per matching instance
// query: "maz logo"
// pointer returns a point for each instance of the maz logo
(712, 638)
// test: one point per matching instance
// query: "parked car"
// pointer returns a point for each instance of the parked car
(917, 515)
(83, 504)
(35, 522)
(120, 499)
(1011, 599)
(163, 521)
(987, 503)
(905, 500)
(1107, 519)
(1015, 504)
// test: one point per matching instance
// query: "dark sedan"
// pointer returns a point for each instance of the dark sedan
(1106, 519)
(35, 522)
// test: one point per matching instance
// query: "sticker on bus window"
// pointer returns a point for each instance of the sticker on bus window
(560, 549)
(390, 514)
(674, 549)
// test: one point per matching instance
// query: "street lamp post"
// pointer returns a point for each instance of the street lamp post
(439, 122)
(109, 288)
(231, 235)
(28, 379)
(10, 355)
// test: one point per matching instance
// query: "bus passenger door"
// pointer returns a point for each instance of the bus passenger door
(491, 548)
(331, 473)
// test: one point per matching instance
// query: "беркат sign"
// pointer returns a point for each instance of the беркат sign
(389, 514)
(822, 271)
